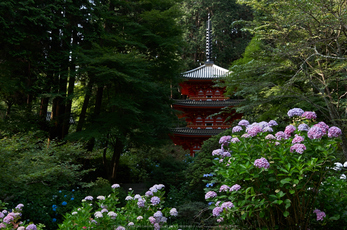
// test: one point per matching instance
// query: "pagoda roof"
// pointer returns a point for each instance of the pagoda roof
(206, 71)
(196, 132)
(198, 103)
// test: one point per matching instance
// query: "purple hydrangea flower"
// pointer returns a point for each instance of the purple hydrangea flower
(320, 214)
(272, 123)
(224, 188)
(270, 137)
(88, 198)
(234, 140)
(155, 200)
(141, 203)
(309, 115)
(220, 220)
(295, 112)
(210, 194)
(297, 139)
(262, 163)
(156, 226)
(254, 130)
(19, 206)
(243, 123)
(98, 214)
(1, 215)
(267, 129)
(120, 228)
(303, 127)
(323, 126)
(237, 129)
(173, 212)
(226, 154)
(227, 205)
(246, 135)
(158, 214)
(129, 198)
(149, 193)
(224, 139)
(217, 210)
(334, 132)
(235, 187)
(31, 227)
(280, 135)
(289, 130)
(316, 132)
(299, 148)
(114, 186)
(217, 152)
(112, 214)
(2, 225)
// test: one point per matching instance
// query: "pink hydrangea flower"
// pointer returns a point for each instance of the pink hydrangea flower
(224, 188)
(299, 148)
(297, 139)
(320, 214)
(151, 219)
(270, 137)
(235, 187)
(253, 131)
(210, 194)
(334, 132)
(289, 130)
(8, 219)
(114, 186)
(262, 163)
(267, 129)
(309, 115)
(220, 220)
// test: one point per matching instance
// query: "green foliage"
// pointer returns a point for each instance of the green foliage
(104, 213)
(282, 195)
(297, 58)
(229, 37)
(34, 171)
(202, 164)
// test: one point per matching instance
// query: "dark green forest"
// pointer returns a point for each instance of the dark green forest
(86, 88)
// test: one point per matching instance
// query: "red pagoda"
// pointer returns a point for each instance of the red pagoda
(202, 101)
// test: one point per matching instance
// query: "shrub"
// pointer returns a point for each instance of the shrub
(261, 180)
(103, 213)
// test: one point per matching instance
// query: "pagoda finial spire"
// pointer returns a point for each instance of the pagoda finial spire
(208, 42)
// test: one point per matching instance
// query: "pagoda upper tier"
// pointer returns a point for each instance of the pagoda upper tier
(199, 86)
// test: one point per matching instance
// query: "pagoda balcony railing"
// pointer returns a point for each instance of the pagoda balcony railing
(209, 127)
(204, 98)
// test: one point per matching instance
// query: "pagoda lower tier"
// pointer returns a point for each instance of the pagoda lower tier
(204, 120)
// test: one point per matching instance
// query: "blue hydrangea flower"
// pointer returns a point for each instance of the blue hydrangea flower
(54, 220)
(72, 198)
(64, 203)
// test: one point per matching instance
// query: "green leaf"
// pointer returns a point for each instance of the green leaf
(291, 191)
(286, 213)
(271, 179)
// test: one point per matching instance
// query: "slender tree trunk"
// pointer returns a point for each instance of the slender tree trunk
(117, 151)
(83, 113)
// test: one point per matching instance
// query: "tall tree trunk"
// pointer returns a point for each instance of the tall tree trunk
(117, 151)
(83, 113)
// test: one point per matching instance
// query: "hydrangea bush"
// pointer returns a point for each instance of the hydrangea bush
(139, 211)
(11, 220)
(268, 179)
